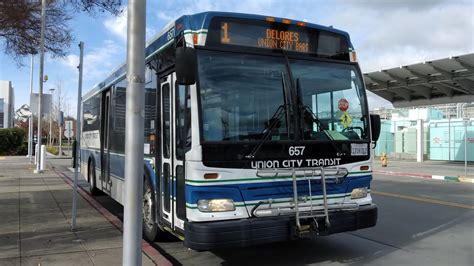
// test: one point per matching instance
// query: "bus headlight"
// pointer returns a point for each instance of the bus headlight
(216, 205)
(358, 193)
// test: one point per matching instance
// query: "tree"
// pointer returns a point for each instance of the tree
(20, 24)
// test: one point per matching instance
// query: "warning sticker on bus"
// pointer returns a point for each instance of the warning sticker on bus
(359, 149)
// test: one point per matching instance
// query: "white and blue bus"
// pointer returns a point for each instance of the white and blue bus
(256, 130)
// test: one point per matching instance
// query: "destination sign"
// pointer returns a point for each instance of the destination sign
(233, 33)
(276, 36)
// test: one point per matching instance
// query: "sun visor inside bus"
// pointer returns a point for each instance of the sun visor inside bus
(274, 36)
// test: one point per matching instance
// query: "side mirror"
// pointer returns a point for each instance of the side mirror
(375, 127)
(186, 65)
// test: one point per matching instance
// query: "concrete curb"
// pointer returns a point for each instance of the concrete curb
(460, 179)
(149, 250)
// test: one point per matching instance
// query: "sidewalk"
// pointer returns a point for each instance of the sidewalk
(35, 222)
(449, 171)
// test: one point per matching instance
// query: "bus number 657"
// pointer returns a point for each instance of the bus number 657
(296, 150)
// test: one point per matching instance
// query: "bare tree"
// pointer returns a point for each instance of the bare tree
(60, 103)
(20, 24)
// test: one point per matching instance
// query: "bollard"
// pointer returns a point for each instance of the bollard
(43, 152)
(74, 154)
(36, 153)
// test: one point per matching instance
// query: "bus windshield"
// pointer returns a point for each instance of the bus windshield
(335, 95)
(240, 93)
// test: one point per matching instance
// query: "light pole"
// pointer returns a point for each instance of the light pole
(40, 92)
(31, 118)
(135, 101)
(78, 135)
(51, 118)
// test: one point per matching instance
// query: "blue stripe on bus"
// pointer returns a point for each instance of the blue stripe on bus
(273, 190)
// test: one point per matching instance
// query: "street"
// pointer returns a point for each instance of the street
(421, 222)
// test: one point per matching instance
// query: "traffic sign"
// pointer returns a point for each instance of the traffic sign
(68, 132)
(68, 125)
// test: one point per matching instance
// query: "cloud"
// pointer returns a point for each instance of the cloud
(407, 34)
(118, 25)
(418, 5)
(164, 16)
(99, 61)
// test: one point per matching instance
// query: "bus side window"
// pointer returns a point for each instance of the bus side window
(183, 121)
(118, 122)
(150, 112)
(187, 119)
(166, 119)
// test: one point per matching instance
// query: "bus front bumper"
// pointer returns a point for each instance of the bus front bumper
(255, 231)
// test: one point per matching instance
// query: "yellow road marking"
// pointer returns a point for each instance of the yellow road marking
(434, 201)
(2, 158)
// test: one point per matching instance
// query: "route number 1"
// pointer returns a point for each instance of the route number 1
(225, 33)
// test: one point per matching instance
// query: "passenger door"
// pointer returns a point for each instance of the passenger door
(173, 138)
(105, 145)
(166, 152)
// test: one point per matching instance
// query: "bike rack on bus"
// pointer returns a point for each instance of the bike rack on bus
(334, 175)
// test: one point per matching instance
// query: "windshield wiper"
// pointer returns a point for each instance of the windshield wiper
(273, 122)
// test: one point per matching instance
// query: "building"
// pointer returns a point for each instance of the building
(7, 104)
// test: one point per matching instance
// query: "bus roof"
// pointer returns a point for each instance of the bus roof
(193, 24)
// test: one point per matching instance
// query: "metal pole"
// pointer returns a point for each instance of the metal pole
(135, 104)
(465, 148)
(40, 92)
(60, 124)
(50, 142)
(78, 136)
(449, 138)
(60, 141)
(30, 120)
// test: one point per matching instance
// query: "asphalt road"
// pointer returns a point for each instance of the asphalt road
(421, 222)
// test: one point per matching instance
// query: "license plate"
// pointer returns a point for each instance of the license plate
(358, 149)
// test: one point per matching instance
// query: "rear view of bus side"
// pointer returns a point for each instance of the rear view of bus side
(256, 130)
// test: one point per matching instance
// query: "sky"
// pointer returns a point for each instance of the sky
(385, 34)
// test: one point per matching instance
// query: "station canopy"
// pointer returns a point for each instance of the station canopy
(447, 80)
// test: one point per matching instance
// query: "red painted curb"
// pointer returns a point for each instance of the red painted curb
(149, 250)
(402, 174)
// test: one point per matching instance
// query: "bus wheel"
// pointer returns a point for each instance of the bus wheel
(151, 230)
(93, 190)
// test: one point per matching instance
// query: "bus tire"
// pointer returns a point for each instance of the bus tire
(151, 230)
(93, 190)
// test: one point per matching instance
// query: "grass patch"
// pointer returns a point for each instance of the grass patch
(52, 149)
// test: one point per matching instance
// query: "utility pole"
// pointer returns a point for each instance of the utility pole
(135, 103)
(38, 169)
(78, 136)
(30, 120)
